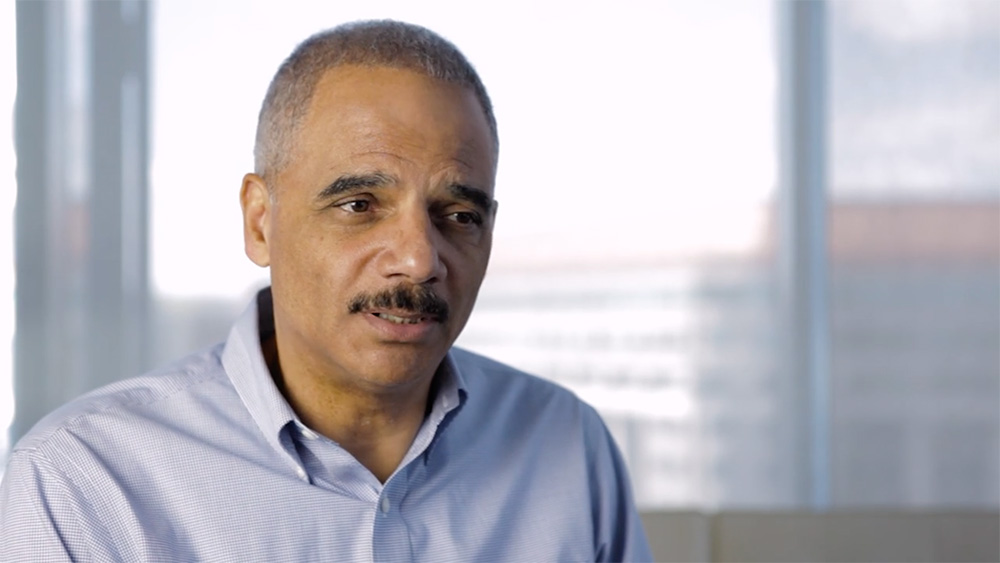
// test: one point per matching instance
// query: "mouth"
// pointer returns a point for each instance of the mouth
(402, 320)
(404, 327)
(402, 310)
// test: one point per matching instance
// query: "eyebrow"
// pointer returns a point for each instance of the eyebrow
(475, 196)
(351, 182)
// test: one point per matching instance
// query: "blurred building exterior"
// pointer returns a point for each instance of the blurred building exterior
(685, 363)
(916, 368)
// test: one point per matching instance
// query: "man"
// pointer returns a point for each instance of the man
(337, 422)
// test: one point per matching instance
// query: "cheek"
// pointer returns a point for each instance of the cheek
(331, 266)
(467, 273)
(299, 259)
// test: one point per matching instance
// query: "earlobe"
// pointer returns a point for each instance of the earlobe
(255, 200)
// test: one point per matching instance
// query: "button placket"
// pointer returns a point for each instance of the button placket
(390, 537)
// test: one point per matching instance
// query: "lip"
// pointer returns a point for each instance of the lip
(402, 332)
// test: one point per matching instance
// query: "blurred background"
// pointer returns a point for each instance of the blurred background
(762, 238)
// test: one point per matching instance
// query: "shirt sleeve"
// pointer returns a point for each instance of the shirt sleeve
(619, 530)
(43, 517)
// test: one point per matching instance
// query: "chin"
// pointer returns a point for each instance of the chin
(401, 365)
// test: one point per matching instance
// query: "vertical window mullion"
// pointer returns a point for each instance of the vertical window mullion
(803, 263)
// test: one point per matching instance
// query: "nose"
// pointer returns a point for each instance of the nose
(412, 249)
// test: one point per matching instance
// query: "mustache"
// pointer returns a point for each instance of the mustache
(410, 298)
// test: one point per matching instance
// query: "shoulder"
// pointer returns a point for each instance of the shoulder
(515, 398)
(135, 398)
(555, 450)
(482, 374)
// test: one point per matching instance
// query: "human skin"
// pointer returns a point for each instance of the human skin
(389, 184)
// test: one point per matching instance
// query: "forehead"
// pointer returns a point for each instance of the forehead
(361, 109)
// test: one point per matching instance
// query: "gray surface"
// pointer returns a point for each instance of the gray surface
(677, 536)
(833, 536)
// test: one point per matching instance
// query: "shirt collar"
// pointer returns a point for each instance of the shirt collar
(243, 360)
(451, 394)
(451, 389)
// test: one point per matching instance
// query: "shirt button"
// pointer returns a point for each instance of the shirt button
(385, 505)
(308, 434)
(300, 472)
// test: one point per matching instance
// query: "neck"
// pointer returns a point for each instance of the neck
(376, 426)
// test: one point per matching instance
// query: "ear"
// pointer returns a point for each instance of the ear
(255, 199)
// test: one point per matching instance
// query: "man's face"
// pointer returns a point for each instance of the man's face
(378, 230)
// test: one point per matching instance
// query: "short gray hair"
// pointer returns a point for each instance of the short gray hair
(379, 43)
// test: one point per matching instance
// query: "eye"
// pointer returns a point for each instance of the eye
(356, 206)
(466, 218)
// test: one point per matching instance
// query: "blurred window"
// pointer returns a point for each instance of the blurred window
(636, 252)
(915, 252)
(630, 260)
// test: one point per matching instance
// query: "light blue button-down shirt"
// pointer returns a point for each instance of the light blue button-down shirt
(206, 461)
